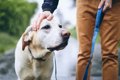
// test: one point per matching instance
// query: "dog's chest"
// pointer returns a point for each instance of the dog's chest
(38, 70)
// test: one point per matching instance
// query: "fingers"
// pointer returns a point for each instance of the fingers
(44, 15)
(50, 17)
(39, 20)
(101, 4)
(107, 4)
(105, 7)
(34, 28)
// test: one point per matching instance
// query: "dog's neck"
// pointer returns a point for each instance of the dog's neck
(38, 53)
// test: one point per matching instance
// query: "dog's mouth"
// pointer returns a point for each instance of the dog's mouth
(59, 47)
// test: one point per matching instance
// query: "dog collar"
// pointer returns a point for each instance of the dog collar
(39, 59)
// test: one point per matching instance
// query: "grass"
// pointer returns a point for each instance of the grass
(7, 42)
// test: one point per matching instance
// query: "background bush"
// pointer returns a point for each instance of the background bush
(15, 15)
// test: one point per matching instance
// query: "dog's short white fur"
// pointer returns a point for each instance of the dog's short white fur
(34, 45)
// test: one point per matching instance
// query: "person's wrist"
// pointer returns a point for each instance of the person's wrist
(47, 11)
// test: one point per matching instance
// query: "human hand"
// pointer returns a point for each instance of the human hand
(107, 4)
(44, 15)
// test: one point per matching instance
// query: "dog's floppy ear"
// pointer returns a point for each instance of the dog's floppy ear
(26, 37)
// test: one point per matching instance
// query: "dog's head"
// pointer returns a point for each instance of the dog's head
(51, 36)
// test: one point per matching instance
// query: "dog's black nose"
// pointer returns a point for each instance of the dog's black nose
(65, 34)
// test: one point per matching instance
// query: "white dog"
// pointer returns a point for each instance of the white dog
(34, 51)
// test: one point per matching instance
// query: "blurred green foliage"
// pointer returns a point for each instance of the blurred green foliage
(14, 18)
(15, 15)
(7, 42)
(73, 32)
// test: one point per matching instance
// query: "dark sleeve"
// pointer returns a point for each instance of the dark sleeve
(50, 5)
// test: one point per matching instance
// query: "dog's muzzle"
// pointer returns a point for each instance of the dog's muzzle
(65, 36)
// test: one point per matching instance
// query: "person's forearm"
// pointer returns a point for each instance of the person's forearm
(50, 5)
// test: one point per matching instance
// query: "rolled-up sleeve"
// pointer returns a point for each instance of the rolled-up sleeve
(50, 5)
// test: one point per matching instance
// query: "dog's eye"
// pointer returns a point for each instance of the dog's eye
(60, 26)
(46, 27)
